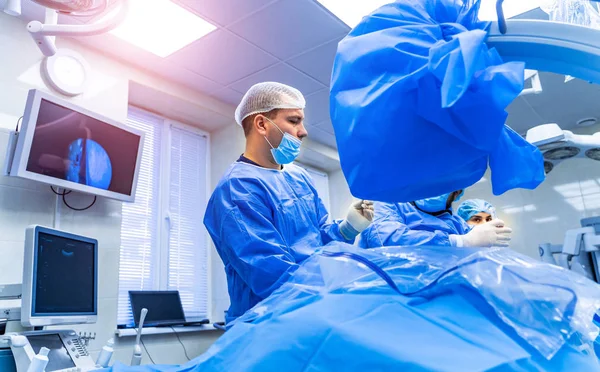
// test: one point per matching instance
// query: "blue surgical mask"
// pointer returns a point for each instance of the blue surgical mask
(438, 203)
(288, 149)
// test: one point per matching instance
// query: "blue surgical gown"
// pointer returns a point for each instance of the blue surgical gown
(402, 224)
(264, 223)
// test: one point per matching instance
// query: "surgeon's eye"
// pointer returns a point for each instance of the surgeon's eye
(295, 120)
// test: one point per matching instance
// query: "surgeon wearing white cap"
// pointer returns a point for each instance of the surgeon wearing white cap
(265, 216)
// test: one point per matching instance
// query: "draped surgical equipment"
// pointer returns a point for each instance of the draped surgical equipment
(415, 80)
(414, 308)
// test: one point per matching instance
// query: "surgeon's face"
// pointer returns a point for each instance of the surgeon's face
(289, 121)
(479, 218)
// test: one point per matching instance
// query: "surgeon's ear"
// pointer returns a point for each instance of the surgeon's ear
(260, 124)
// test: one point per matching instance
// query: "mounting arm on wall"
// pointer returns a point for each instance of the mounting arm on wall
(63, 70)
(43, 33)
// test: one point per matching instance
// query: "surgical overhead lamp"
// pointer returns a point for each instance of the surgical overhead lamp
(65, 70)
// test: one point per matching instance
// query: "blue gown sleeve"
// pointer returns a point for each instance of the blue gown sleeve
(329, 231)
(255, 249)
(391, 230)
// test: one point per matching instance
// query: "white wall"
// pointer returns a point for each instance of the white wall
(23, 203)
(569, 193)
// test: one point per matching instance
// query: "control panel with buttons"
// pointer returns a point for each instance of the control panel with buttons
(68, 353)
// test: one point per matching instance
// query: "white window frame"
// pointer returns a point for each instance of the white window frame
(161, 260)
(164, 217)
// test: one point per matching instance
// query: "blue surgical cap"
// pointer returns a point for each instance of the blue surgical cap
(471, 207)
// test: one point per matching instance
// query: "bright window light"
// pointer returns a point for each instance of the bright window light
(351, 12)
(487, 11)
(161, 27)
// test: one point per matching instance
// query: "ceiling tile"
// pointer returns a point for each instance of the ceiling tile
(560, 102)
(523, 118)
(228, 95)
(318, 135)
(176, 108)
(326, 126)
(536, 13)
(281, 28)
(565, 103)
(317, 107)
(122, 50)
(281, 73)
(188, 78)
(318, 62)
(224, 12)
(222, 57)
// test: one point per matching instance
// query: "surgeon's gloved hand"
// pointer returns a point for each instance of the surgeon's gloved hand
(359, 217)
(489, 234)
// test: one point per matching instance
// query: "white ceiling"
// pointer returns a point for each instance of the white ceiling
(560, 102)
(289, 41)
(294, 42)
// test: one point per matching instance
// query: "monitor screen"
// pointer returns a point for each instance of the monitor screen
(71, 146)
(58, 357)
(164, 307)
(64, 276)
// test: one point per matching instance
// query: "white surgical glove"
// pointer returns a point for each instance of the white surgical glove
(359, 217)
(489, 234)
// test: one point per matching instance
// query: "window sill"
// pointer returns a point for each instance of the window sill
(132, 332)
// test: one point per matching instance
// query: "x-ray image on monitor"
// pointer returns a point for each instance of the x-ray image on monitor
(71, 146)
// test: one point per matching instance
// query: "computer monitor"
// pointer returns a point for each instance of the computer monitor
(164, 308)
(68, 146)
(60, 278)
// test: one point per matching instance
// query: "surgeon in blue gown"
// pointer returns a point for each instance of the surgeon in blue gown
(265, 216)
(430, 222)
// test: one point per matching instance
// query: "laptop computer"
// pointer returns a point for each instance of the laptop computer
(164, 308)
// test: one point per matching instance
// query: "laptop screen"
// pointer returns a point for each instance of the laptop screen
(164, 307)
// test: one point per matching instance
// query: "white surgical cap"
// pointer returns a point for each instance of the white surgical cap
(264, 97)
